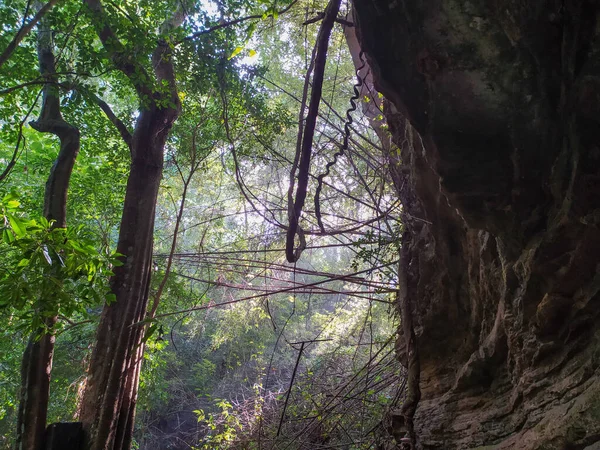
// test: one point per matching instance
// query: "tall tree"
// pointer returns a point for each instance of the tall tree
(108, 406)
(37, 359)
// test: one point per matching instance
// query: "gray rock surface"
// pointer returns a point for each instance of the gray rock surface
(495, 105)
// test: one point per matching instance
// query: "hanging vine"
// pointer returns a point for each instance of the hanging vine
(344, 145)
(295, 210)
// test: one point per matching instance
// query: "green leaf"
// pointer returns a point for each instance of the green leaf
(149, 332)
(236, 52)
(7, 236)
(44, 222)
(17, 225)
(23, 263)
(250, 30)
(201, 415)
(75, 246)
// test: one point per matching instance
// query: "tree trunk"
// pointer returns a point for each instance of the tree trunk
(64, 436)
(36, 367)
(37, 358)
(108, 406)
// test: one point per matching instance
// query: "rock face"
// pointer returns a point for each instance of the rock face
(496, 110)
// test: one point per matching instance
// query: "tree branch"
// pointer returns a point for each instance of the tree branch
(24, 30)
(267, 294)
(14, 157)
(320, 16)
(8, 90)
(235, 22)
(162, 58)
(123, 61)
(195, 165)
(118, 123)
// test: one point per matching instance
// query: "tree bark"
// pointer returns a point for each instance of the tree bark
(64, 436)
(109, 400)
(36, 365)
(108, 405)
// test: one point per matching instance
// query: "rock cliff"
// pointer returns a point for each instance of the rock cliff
(495, 106)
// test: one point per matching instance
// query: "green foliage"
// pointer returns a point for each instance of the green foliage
(46, 270)
(204, 374)
(154, 390)
(373, 250)
(223, 426)
(239, 354)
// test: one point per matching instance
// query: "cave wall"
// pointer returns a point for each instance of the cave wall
(495, 106)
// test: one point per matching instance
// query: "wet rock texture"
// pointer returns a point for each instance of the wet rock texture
(496, 110)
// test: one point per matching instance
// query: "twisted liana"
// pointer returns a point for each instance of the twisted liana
(344, 145)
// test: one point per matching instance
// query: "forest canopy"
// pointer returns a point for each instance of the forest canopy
(200, 226)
